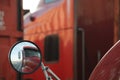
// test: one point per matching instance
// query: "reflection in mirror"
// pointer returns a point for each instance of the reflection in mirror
(25, 57)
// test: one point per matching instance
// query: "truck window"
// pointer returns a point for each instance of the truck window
(49, 1)
(51, 48)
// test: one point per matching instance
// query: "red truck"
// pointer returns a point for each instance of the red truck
(73, 35)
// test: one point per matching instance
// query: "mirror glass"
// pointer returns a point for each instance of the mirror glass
(25, 57)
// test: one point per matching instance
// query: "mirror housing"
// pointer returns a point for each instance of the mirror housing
(25, 56)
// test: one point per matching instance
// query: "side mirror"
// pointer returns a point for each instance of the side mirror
(25, 56)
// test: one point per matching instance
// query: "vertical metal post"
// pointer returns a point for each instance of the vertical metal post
(98, 55)
(75, 39)
(83, 53)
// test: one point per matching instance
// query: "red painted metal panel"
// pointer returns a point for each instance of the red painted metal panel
(8, 36)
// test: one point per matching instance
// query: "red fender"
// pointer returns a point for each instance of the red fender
(109, 66)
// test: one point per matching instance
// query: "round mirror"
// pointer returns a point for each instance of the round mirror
(25, 56)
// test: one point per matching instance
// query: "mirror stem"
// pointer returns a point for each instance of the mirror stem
(44, 68)
(47, 69)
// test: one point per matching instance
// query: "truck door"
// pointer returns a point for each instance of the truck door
(96, 18)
